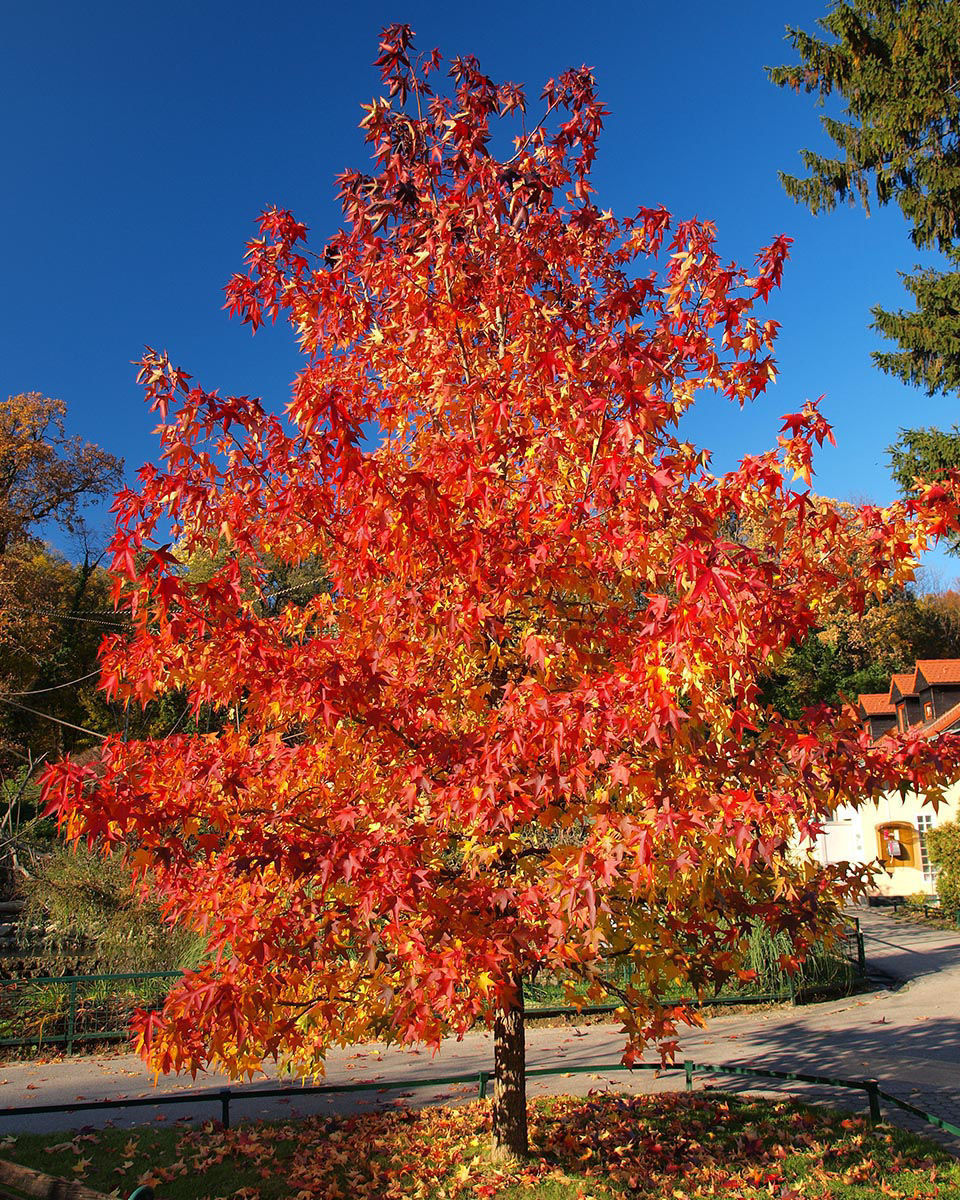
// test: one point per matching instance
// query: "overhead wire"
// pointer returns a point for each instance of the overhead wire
(56, 720)
(62, 616)
(56, 687)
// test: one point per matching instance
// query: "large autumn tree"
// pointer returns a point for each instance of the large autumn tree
(521, 731)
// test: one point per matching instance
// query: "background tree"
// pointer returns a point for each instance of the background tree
(925, 454)
(895, 65)
(48, 633)
(522, 730)
(53, 615)
(46, 478)
(854, 652)
(943, 842)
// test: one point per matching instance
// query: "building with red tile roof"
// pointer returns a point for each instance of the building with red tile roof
(905, 699)
(900, 686)
(930, 671)
(877, 712)
(892, 832)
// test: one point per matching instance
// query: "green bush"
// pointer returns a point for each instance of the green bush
(823, 969)
(943, 843)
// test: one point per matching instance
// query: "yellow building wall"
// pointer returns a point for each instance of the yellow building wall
(902, 875)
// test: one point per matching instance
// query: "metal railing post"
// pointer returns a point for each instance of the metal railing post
(688, 1072)
(872, 1088)
(72, 1016)
(861, 952)
(482, 1085)
(225, 1107)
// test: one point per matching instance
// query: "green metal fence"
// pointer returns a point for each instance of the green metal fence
(62, 1010)
(933, 907)
(70, 1009)
(872, 1089)
(841, 971)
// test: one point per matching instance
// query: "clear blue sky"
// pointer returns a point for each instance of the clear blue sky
(140, 142)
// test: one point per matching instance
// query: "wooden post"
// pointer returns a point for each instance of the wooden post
(44, 1187)
(510, 1084)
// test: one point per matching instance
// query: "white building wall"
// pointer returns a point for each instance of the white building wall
(905, 879)
(852, 836)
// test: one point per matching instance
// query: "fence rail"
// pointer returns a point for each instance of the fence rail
(873, 1089)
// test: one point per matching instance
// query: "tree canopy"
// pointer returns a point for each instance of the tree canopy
(925, 454)
(852, 652)
(46, 480)
(45, 476)
(522, 729)
(895, 67)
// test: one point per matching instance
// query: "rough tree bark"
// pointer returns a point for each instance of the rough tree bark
(510, 1085)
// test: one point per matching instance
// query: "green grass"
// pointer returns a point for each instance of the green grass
(603, 1146)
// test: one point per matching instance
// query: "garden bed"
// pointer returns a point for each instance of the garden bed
(603, 1146)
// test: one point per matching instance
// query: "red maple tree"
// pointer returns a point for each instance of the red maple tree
(521, 731)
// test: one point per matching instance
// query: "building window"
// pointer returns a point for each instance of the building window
(924, 823)
(897, 845)
(928, 710)
(901, 718)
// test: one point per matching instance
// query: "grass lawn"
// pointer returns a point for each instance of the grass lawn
(662, 1147)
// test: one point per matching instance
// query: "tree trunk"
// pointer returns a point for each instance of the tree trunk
(510, 1084)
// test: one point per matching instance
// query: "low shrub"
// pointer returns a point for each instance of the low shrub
(943, 843)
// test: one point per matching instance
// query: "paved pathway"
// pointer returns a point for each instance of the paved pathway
(906, 1034)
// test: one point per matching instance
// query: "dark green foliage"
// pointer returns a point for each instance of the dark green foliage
(857, 653)
(928, 336)
(943, 843)
(926, 454)
(895, 67)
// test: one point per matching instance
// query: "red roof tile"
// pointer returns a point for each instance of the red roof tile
(903, 684)
(875, 704)
(950, 717)
(938, 670)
